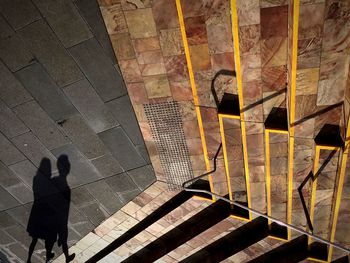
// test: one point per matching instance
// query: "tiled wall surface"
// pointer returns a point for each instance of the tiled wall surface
(61, 93)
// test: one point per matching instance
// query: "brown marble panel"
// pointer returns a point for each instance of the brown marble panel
(330, 117)
(122, 46)
(249, 39)
(137, 93)
(200, 57)
(305, 129)
(165, 14)
(176, 67)
(114, 18)
(219, 38)
(191, 129)
(222, 61)
(171, 42)
(195, 30)
(152, 69)
(274, 22)
(181, 90)
(271, 3)
(187, 110)
(252, 92)
(305, 106)
(309, 52)
(192, 8)
(248, 12)
(150, 57)
(131, 71)
(312, 18)
(307, 81)
(194, 146)
(336, 35)
(157, 86)
(141, 23)
(146, 44)
(274, 78)
(270, 101)
(274, 52)
(135, 4)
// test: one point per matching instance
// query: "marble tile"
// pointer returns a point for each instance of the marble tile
(309, 53)
(171, 42)
(146, 44)
(271, 101)
(336, 37)
(305, 106)
(252, 91)
(248, 12)
(131, 71)
(150, 57)
(220, 38)
(122, 46)
(307, 81)
(200, 57)
(305, 129)
(312, 17)
(176, 67)
(152, 69)
(192, 8)
(165, 14)
(274, 52)
(114, 19)
(271, 3)
(274, 78)
(157, 86)
(137, 93)
(195, 30)
(141, 23)
(249, 39)
(330, 117)
(181, 90)
(274, 22)
(223, 61)
(135, 4)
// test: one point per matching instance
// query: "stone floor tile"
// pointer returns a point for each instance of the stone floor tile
(9, 154)
(107, 165)
(7, 201)
(5, 29)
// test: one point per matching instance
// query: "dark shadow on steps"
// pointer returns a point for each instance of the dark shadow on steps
(342, 260)
(166, 208)
(293, 251)
(198, 223)
(232, 243)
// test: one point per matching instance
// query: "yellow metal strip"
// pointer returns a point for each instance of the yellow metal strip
(267, 171)
(292, 111)
(340, 189)
(240, 95)
(194, 91)
(224, 149)
(229, 116)
(329, 148)
(277, 131)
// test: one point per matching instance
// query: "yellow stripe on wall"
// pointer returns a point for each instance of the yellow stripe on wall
(194, 90)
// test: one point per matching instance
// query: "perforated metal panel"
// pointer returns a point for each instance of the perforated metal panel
(167, 130)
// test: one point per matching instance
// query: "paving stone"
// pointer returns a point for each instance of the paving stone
(14, 53)
(65, 20)
(21, 214)
(90, 105)
(143, 176)
(123, 111)
(83, 137)
(95, 214)
(19, 13)
(19, 233)
(107, 82)
(126, 197)
(5, 29)
(52, 55)
(5, 239)
(82, 171)
(7, 178)
(6, 220)
(9, 154)
(41, 124)
(10, 125)
(91, 12)
(121, 183)
(21, 192)
(107, 165)
(19, 251)
(49, 96)
(33, 149)
(83, 228)
(144, 152)
(6, 200)
(122, 148)
(81, 196)
(104, 194)
(11, 90)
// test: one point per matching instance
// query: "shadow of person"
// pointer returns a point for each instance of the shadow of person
(61, 203)
(41, 223)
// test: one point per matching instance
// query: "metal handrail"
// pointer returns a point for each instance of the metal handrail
(219, 197)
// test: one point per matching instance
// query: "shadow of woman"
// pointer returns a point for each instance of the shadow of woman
(49, 215)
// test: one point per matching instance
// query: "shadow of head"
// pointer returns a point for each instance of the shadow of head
(45, 167)
(63, 165)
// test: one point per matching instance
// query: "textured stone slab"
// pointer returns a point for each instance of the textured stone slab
(10, 125)
(5, 29)
(123, 111)
(33, 149)
(126, 197)
(21, 192)
(41, 124)
(143, 176)
(5, 238)
(94, 213)
(11, 90)
(90, 106)
(9, 154)
(6, 220)
(50, 52)
(7, 178)
(91, 12)
(19, 13)
(82, 171)
(107, 82)
(49, 96)
(83, 137)
(65, 20)
(122, 148)
(121, 183)
(6, 200)
(81, 196)
(104, 194)
(14, 53)
(107, 165)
